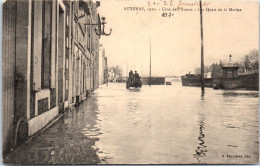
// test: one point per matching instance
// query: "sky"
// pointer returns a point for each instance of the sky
(175, 40)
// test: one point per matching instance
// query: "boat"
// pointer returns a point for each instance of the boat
(195, 80)
(130, 85)
(168, 83)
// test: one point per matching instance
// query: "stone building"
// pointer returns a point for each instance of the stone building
(230, 76)
(50, 62)
(227, 77)
(111, 75)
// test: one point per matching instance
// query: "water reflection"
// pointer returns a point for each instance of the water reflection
(240, 93)
(152, 125)
(64, 142)
(201, 150)
(202, 95)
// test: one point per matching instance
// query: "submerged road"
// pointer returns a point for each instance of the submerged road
(152, 125)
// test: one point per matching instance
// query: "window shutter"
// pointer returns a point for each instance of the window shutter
(37, 45)
(46, 44)
(53, 46)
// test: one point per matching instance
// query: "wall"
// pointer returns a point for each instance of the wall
(45, 59)
(230, 83)
(244, 81)
(196, 82)
(8, 72)
(154, 80)
(249, 81)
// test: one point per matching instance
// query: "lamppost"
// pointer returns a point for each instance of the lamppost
(100, 30)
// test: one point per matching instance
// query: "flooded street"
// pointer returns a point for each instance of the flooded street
(153, 125)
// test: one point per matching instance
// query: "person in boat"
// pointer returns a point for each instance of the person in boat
(136, 77)
(131, 77)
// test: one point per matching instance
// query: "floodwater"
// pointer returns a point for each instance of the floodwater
(152, 125)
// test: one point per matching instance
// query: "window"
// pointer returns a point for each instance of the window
(67, 42)
(67, 63)
(67, 20)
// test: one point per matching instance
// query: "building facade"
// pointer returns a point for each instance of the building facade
(50, 62)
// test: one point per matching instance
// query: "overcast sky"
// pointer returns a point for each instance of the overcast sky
(175, 40)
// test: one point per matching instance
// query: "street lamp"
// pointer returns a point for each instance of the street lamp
(98, 30)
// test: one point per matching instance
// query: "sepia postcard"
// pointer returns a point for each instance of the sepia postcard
(130, 82)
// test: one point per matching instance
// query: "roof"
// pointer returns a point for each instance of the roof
(230, 65)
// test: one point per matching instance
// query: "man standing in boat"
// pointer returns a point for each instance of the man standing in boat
(131, 77)
(136, 77)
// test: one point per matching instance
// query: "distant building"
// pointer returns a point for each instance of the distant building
(111, 75)
(227, 77)
(102, 68)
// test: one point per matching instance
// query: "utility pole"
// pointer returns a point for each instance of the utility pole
(126, 67)
(202, 50)
(150, 74)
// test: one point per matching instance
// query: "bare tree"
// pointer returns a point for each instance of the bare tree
(251, 60)
(254, 59)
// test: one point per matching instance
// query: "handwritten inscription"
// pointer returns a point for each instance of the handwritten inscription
(179, 4)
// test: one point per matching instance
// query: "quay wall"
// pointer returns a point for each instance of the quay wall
(196, 82)
(249, 81)
(244, 81)
(154, 80)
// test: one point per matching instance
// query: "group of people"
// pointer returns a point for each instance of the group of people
(134, 77)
